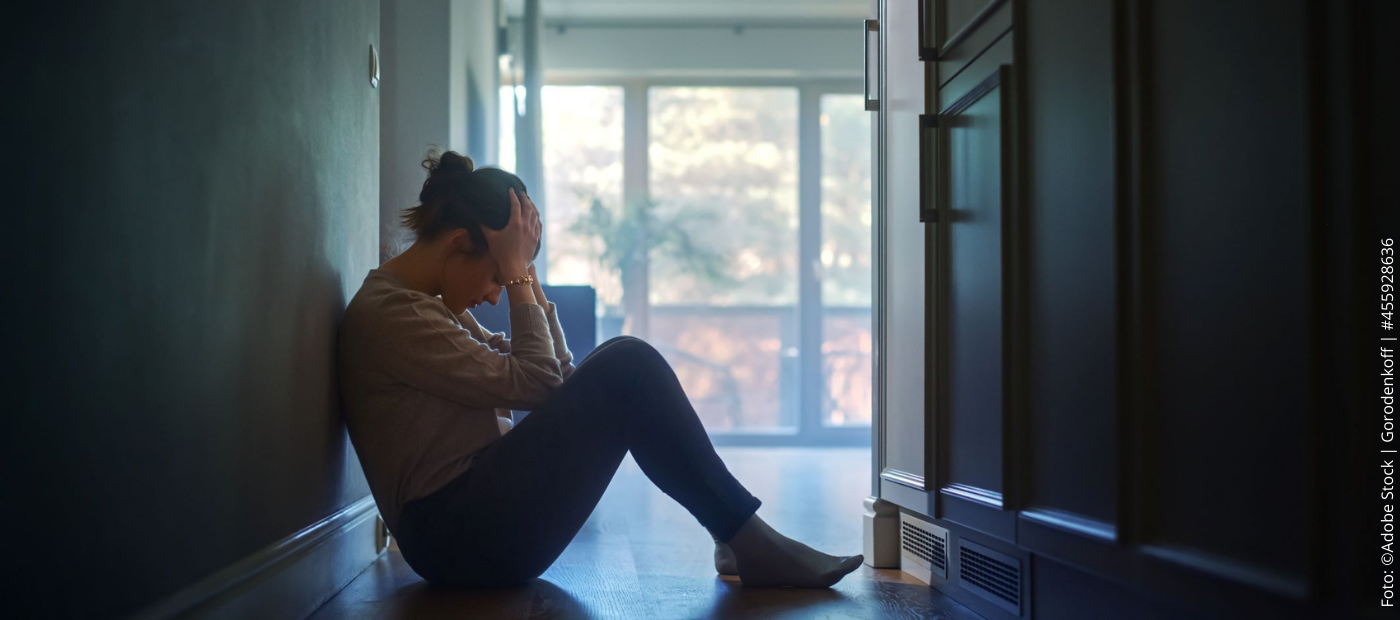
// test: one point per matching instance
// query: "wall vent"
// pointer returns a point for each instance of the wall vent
(992, 575)
(923, 548)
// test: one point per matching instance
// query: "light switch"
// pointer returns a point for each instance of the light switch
(373, 67)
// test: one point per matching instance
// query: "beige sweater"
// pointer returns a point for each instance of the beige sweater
(423, 389)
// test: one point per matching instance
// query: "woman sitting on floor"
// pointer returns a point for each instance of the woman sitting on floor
(424, 386)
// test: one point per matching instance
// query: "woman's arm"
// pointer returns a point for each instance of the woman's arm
(495, 340)
(561, 347)
(499, 341)
(422, 345)
(523, 228)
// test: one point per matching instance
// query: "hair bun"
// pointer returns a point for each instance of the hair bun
(445, 172)
(453, 162)
(449, 163)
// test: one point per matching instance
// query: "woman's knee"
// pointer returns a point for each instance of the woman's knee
(622, 349)
(620, 340)
(620, 363)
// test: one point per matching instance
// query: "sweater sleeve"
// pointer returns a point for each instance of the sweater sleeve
(498, 340)
(424, 346)
(495, 340)
(561, 348)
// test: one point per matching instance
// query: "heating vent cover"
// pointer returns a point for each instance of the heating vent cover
(923, 548)
(993, 575)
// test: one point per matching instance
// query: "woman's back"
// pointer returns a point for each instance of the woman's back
(422, 391)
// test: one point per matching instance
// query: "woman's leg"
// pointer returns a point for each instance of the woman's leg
(530, 491)
(666, 438)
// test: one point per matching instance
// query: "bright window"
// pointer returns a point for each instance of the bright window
(725, 160)
(722, 283)
(583, 164)
(724, 165)
(845, 260)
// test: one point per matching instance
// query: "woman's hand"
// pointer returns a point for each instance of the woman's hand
(513, 247)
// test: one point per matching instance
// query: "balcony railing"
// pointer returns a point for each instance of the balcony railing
(741, 365)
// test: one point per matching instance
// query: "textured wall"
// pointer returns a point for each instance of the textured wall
(197, 188)
(416, 107)
(439, 92)
(475, 80)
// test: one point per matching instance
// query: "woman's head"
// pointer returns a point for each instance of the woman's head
(457, 199)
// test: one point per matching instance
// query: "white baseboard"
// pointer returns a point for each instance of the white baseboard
(881, 541)
(290, 578)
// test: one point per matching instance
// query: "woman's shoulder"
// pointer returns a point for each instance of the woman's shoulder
(384, 304)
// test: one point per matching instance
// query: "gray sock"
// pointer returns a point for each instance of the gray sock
(724, 558)
(765, 558)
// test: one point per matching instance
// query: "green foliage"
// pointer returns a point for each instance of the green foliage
(642, 228)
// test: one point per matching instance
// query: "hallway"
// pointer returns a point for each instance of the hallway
(641, 555)
(1048, 308)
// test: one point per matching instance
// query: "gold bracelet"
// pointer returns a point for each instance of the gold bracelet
(525, 279)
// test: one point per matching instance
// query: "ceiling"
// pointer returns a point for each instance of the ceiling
(696, 11)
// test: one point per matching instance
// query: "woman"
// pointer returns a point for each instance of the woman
(424, 386)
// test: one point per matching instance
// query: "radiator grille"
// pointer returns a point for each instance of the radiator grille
(994, 576)
(924, 544)
(923, 548)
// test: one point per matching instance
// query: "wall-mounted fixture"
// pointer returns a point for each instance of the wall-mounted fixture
(373, 67)
(872, 29)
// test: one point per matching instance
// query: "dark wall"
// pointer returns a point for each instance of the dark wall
(196, 189)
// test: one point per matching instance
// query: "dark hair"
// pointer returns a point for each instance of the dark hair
(459, 195)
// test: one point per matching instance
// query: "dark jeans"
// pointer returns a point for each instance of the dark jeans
(527, 494)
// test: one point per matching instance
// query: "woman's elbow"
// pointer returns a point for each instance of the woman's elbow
(541, 388)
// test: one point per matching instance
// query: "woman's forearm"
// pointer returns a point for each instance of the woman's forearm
(522, 293)
(538, 289)
(561, 350)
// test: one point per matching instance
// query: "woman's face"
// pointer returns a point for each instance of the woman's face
(469, 280)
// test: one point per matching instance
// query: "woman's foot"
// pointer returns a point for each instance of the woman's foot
(765, 558)
(724, 560)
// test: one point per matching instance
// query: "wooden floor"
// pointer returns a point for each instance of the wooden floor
(641, 555)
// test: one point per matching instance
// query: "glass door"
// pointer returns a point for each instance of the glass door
(754, 274)
(845, 259)
(723, 180)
